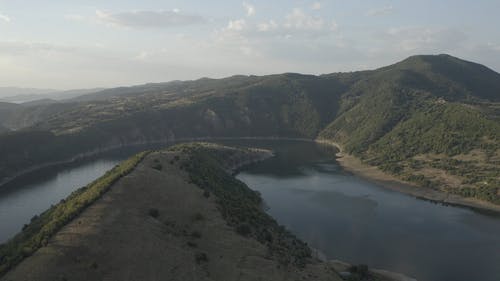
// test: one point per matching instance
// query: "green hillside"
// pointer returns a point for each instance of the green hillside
(433, 120)
(429, 119)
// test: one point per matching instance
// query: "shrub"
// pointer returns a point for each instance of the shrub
(198, 217)
(206, 193)
(201, 257)
(94, 265)
(360, 272)
(154, 212)
(243, 229)
(157, 166)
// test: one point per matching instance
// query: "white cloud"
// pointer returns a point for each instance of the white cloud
(4, 18)
(149, 18)
(296, 23)
(250, 9)
(236, 25)
(267, 26)
(297, 19)
(380, 11)
(316, 6)
(424, 39)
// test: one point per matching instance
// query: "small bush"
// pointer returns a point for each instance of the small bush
(243, 229)
(192, 244)
(206, 193)
(196, 234)
(359, 271)
(157, 166)
(200, 258)
(154, 212)
(198, 217)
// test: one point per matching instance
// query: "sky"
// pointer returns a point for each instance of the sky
(68, 44)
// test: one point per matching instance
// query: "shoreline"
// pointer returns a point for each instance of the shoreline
(171, 231)
(348, 162)
(343, 267)
(355, 166)
(92, 153)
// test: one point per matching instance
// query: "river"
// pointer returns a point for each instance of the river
(345, 217)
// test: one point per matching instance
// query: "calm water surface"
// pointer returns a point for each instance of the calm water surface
(347, 218)
(354, 220)
(32, 194)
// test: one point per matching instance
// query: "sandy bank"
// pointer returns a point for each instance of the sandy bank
(374, 174)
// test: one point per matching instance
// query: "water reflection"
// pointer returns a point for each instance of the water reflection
(306, 190)
(357, 221)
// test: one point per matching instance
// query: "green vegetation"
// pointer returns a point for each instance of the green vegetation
(157, 166)
(42, 227)
(239, 205)
(153, 212)
(417, 118)
(397, 117)
(196, 234)
(361, 273)
(201, 258)
(198, 217)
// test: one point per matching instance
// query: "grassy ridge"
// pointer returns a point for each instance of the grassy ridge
(240, 206)
(41, 228)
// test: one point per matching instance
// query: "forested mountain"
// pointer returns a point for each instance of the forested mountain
(429, 119)
(433, 120)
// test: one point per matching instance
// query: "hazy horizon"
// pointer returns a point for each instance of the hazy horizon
(88, 44)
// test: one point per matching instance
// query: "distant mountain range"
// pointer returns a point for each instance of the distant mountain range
(23, 95)
(432, 120)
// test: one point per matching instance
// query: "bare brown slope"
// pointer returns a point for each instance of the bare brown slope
(117, 239)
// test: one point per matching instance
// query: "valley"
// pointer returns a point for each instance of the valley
(249, 140)
(432, 121)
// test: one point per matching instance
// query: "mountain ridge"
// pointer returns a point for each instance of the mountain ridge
(370, 113)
